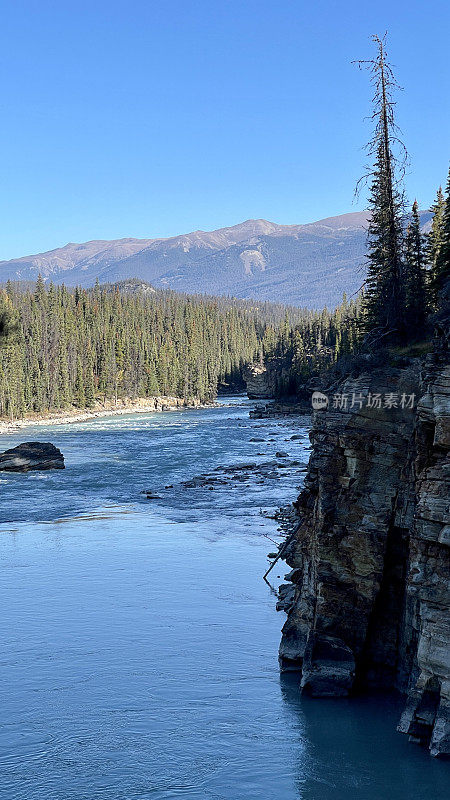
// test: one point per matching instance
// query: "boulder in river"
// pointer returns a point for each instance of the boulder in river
(31, 455)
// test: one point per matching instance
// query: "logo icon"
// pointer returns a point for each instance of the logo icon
(319, 401)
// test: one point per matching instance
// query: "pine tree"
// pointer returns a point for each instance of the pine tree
(89, 384)
(8, 318)
(80, 397)
(39, 293)
(415, 277)
(442, 266)
(434, 245)
(384, 298)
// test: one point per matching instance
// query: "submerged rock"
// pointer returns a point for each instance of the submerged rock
(31, 455)
(280, 409)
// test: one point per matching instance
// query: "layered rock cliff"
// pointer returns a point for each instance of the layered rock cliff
(268, 380)
(368, 594)
(259, 382)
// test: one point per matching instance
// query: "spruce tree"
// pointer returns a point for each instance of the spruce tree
(415, 277)
(442, 267)
(434, 245)
(384, 297)
(8, 319)
(39, 293)
(80, 395)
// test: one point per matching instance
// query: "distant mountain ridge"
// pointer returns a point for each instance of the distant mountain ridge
(308, 265)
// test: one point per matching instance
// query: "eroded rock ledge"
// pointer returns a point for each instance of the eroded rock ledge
(368, 594)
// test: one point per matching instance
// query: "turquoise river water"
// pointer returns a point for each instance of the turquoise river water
(139, 642)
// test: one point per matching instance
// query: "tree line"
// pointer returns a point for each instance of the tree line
(73, 347)
(298, 353)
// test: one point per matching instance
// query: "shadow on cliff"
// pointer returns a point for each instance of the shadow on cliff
(341, 743)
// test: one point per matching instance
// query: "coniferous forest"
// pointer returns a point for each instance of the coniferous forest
(64, 348)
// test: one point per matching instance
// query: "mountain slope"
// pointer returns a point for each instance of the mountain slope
(310, 265)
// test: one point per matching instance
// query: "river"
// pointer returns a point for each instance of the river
(139, 642)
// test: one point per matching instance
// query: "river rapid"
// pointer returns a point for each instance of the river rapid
(139, 642)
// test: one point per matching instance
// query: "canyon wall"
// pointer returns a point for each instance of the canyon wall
(367, 598)
(268, 380)
(260, 383)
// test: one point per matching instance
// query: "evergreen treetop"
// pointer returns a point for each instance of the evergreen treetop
(384, 296)
(442, 261)
(415, 278)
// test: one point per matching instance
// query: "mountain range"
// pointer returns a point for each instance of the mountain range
(307, 265)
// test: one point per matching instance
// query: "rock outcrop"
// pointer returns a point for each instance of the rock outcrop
(427, 613)
(268, 380)
(368, 594)
(31, 455)
(259, 383)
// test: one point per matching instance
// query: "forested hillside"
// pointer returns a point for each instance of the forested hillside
(64, 348)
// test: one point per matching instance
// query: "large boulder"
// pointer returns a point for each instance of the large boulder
(31, 455)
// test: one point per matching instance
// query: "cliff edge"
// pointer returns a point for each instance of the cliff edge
(368, 595)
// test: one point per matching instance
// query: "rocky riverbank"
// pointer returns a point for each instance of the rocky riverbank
(106, 408)
(367, 598)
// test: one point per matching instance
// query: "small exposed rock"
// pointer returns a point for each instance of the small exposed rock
(31, 455)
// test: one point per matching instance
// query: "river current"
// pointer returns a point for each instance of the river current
(139, 642)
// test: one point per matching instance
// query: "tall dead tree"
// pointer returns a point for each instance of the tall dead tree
(384, 296)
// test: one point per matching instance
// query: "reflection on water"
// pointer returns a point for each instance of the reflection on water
(139, 642)
(350, 748)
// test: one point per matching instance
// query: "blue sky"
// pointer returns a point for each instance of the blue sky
(156, 118)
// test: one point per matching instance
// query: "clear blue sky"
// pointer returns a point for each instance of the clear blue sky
(145, 118)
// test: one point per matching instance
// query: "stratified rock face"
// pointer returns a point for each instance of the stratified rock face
(258, 381)
(264, 381)
(370, 555)
(427, 620)
(31, 455)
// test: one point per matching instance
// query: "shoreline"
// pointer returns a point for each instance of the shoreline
(108, 409)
